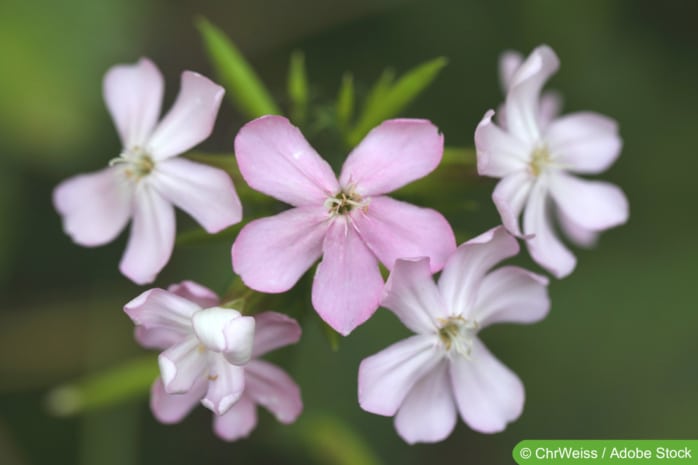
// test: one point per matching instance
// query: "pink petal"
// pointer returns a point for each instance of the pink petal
(387, 377)
(225, 385)
(488, 394)
(270, 387)
(95, 207)
(274, 330)
(522, 103)
(584, 142)
(238, 422)
(545, 248)
(162, 318)
(275, 158)
(511, 295)
(410, 293)
(428, 413)
(271, 254)
(204, 192)
(182, 365)
(172, 408)
(393, 154)
(394, 229)
(152, 236)
(347, 284)
(191, 118)
(593, 205)
(227, 331)
(509, 62)
(510, 196)
(499, 153)
(578, 235)
(550, 107)
(194, 292)
(133, 94)
(465, 270)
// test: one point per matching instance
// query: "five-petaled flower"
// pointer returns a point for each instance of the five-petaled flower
(348, 220)
(535, 154)
(146, 180)
(211, 356)
(425, 379)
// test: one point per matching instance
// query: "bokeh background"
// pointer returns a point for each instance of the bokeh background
(616, 358)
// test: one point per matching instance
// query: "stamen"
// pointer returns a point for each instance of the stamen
(457, 334)
(540, 158)
(138, 163)
(346, 201)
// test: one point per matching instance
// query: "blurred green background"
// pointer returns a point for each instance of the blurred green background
(615, 358)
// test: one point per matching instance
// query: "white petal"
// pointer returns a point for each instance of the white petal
(133, 94)
(195, 292)
(227, 331)
(498, 152)
(191, 118)
(509, 62)
(172, 408)
(238, 422)
(182, 365)
(226, 383)
(580, 236)
(274, 330)
(510, 196)
(270, 387)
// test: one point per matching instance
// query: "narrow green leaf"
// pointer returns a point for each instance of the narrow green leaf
(298, 88)
(459, 156)
(391, 101)
(330, 440)
(345, 102)
(242, 85)
(378, 91)
(333, 337)
(127, 381)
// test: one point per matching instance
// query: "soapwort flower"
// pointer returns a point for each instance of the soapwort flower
(537, 156)
(444, 368)
(147, 179)
(211, 356)
(348, 221)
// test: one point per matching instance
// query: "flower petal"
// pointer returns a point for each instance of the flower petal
(584, 142)
(387, 377)
(271, 254)
(593, 205)
(274, 330)
(394, 229)
(464, 271)
(194, 292)
(580, 236)
(205, 193)
(182, 365)
(162, 318)
(393, 154)
(275, 158)
(511, 295)
(152, 236)
(488, 394)
(270, 387)
(172, 408)
(347, 284)
(225, 385)
(133, 94)
(410, 293)
(227, 331)
(509, 62)
(238, 422)
(543, 245)
(191, 118)
(550, 107)
(428, 413)
(509, 197)
(95, 207)
(498, 152)
(523, 98)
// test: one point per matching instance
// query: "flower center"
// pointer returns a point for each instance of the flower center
(346, 201)
(137, 163)
(540, 158)
(457, 334)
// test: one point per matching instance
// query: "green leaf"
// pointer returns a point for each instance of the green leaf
(298, 88)
(386, 100)
(330, 440)
(345, 102)
(124, 382)
(333, 337)
(378, 91)
(242, 85)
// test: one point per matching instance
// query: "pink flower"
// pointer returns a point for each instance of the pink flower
(537, 156)
(146, 179)
(443, 369)
(211, 357)
(349, 222)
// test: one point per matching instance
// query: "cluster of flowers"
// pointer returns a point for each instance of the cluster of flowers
(210, 352)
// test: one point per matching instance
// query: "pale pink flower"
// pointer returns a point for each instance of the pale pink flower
(349, 222)
(427, 378)
(537, 156)
(211, 358)
(146, 180)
